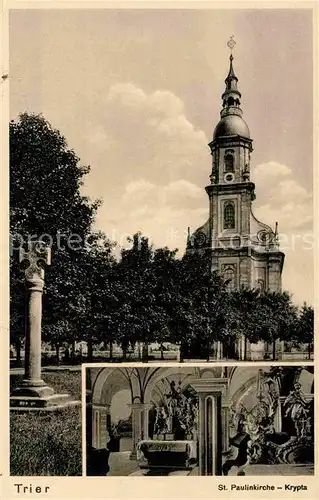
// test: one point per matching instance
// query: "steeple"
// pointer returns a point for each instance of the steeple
(231, 96)
(231, 122)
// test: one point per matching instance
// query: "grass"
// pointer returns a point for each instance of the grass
(48, 444)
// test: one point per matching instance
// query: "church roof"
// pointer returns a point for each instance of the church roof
(232, 125)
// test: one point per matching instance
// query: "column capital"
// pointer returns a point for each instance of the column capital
(210, 385)
(38, 255)
(140, 406)
(99, 406)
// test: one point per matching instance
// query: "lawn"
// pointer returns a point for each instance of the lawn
(48, 444)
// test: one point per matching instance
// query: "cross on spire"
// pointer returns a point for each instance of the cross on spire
(231, 44)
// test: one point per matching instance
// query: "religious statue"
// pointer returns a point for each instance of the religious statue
(178, 414)
(297, 409)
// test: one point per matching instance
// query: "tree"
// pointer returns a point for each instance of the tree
(276, 318)
(141, 288)
(303, 333)
(243, 316)
(45, 201)
(199, 305)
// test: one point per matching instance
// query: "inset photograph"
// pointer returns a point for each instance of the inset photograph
(199, 421)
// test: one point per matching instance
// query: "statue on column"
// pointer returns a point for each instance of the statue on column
(33, 393)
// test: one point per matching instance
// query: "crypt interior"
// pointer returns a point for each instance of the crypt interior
(193, 420)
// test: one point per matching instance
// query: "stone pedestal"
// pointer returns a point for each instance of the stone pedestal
(34, 393)
(210, 392)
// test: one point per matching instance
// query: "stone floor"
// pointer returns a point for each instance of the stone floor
(277, 470)
(121, 465)
(271, 470)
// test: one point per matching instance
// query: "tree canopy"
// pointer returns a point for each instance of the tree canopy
(148, 294)
(46, 203)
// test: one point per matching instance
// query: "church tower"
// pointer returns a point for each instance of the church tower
(244, 250)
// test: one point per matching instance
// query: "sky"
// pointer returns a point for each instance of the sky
(137, 94)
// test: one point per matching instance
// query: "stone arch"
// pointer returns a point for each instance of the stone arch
(162, 373)
(112, 380)
(107, 383)
(306, 379)
(184, 372)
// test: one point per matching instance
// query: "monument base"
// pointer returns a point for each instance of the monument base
(39, 399)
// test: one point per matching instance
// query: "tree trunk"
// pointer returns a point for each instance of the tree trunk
(17, 346)
(145, 352)
(124, 349)
(73, 351)
(162, 351)
(274, 350)
(208, 352)
(181, 352)
(57, 352)
(90, 350)
(139, 350)
(111, 350)
(245, 348)
(309, 350)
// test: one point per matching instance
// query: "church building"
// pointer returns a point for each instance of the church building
(244, 250)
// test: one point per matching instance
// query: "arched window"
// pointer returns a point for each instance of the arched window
(229, 278)
(229, 162)
(229, 215)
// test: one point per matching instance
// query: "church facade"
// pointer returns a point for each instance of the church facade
(244, 250)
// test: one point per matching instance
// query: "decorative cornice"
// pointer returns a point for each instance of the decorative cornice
(234, 186)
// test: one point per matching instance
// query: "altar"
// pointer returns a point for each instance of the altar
(167, 454)
(174, 443)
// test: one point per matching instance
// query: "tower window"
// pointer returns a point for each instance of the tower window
(229, 215)
(229, 162)
(229, 278)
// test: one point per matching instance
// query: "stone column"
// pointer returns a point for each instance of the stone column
(33, 392)
(140, 420)
(137, 426)
(210, 392)
(225, 425)
(100, 432)
(279, 414)
(145, 419)
(38, 256)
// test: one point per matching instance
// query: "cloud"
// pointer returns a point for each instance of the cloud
(270, 171)
(162, 213)
(151, 167)
(280, 197)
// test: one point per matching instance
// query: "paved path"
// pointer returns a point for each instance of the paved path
(71, 368)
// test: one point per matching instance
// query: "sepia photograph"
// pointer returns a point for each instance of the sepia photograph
(200, 420)
(161, 210)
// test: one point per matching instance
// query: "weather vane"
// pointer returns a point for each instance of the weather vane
(231, 44)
